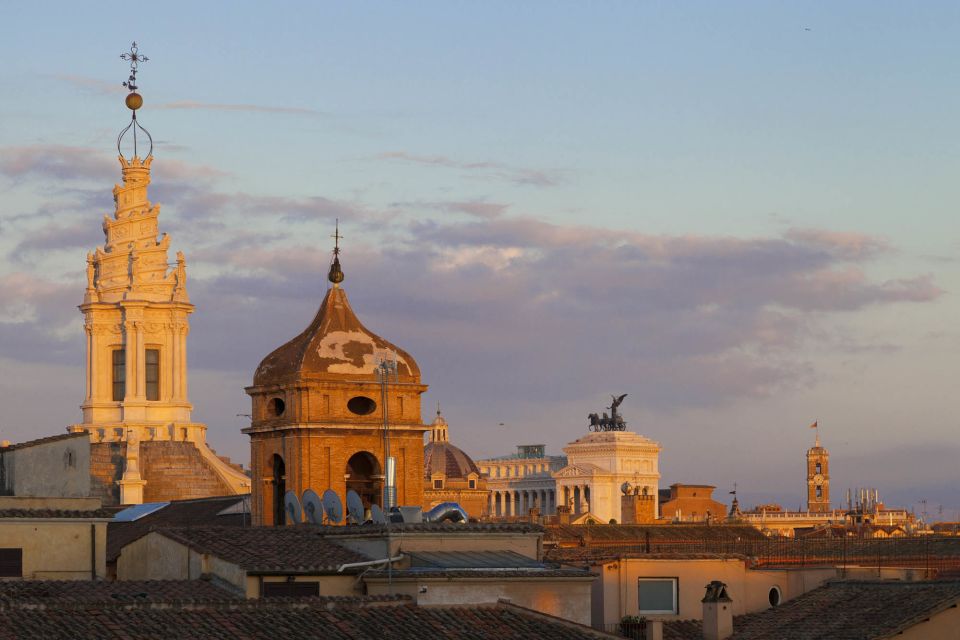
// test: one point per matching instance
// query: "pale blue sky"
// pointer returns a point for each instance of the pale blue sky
(782, 178)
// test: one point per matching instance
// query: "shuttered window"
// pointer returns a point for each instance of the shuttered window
(11, 563)
(152, 373)
(119, 374)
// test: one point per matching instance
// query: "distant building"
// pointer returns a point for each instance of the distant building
(598, 464)
(450, 475)
(692, 503)
(52, 467)
(521, 481)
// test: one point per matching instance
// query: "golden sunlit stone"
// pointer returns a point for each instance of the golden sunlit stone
(134, 101)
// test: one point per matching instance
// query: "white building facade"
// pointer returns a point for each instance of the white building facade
(522, 482)
(598, 464)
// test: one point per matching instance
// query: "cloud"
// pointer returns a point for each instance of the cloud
(475, 208)
(93, 85)
(488, 169)
(188, 105)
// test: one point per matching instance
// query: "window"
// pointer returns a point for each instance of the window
(657, 595)
(819, 470)
(438, 483)
(774, 596)
(819, 492)
(290, 589)
(119, 374)
(152, 374)
(361, 405)
(277, 406)
(473, 483)
(11, 563)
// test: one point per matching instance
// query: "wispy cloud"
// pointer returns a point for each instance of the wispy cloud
(487, 169)
(93, 85)
(246, 108)
(476, 208)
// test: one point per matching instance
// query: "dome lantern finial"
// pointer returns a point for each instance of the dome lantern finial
(133, 100)
(335, 275)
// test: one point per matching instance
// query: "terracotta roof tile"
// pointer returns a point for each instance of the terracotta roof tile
(59, 592)
(179, 513)
(580, 555)
(267, 549)
(334, 619)
(55, 513)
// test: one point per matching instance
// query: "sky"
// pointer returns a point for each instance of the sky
(741, 214)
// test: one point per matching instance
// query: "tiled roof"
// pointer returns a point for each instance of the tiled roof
(472, 560)
(580, 555)
(446, 528)
(484, 573)
(47, 440)
(179, 513)
(850, 610)
(839, 610)
(600, 534)
(267, 549)
(333, 619)
(58, 592)
(55, 513)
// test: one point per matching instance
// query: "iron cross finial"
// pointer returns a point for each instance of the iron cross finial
(134, 57)
(336, 238)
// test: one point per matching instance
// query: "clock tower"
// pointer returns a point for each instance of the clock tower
(818, 478)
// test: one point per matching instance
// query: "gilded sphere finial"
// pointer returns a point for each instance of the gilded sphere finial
(336, 273)
(134, 101)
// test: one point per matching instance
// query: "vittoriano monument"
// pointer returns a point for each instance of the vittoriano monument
(612, 422)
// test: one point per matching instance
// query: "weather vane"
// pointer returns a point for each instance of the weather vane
(133, 100)
(134, 57)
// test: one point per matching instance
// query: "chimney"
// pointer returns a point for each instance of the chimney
(717, 612)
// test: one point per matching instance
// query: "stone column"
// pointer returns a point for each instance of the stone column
(130, 370)
(141, 363)
(90, 356)
(175, 360)
(184, 330)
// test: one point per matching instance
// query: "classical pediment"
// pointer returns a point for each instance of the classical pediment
(578, 470)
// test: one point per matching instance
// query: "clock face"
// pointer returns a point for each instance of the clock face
(818, 479)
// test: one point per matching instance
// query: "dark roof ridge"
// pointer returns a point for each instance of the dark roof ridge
(47, 439)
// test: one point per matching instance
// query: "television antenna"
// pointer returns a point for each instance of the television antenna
(291, 505)
(333, 506)
(387, 371)
(354, 507)
(312, 507)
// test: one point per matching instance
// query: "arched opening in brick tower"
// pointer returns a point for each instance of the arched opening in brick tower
(365, 477)
(279, 490)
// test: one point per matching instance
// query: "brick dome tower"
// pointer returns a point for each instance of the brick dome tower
(320, 408)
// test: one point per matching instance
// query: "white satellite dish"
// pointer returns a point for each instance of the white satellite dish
(354, 507)
(312, 507)
(376, 515)
(333, 506)
(291, 504)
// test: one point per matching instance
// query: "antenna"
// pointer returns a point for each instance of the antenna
(312, 507)
(354, 507)
(376, 515)
(292, 505)
(333, 506)
(387, 369)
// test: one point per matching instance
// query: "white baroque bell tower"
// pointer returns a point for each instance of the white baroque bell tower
(135, 312)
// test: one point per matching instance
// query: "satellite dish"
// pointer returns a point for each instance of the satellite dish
(312, 507)
(333, 506)
(376, 515)
(291, 504)
(354, 507)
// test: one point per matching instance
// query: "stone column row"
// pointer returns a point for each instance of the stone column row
(518, 502)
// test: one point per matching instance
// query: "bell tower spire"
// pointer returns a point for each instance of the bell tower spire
(335, 275)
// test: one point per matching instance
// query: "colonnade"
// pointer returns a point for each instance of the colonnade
(518, 502)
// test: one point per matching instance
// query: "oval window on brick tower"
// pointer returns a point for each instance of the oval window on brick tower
(277, 406)
(361, 405)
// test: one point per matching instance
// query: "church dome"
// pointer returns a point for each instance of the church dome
(443, 457)
(439, 456)
(336, 345)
